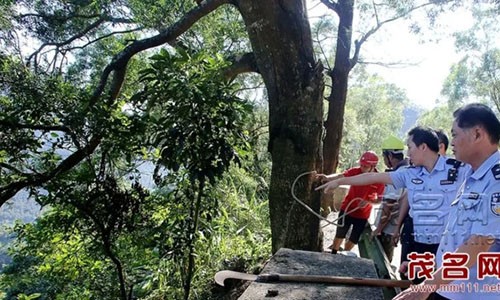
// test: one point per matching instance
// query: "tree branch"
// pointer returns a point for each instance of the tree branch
(120, 61)
(103, 37)
(331, 5)
(34, 126)
(13, 169)
(99, 21)
(71, 39)
(242, 64)
(11, 189)
(363, 39)
(394, 64)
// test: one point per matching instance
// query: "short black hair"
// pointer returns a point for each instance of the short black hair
(397, 155)
(474, 114)
(443, 138)
(425, 135)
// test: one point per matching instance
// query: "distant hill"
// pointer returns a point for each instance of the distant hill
(411, 115)
(21, 208)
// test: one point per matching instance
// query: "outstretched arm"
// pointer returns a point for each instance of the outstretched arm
(361, 179)
(326, 178)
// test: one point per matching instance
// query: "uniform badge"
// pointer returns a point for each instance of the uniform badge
(472, 196)
(495, 204)
(496, 171)
(417, 181)
(446, 182)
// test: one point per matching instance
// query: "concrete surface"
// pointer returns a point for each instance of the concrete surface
(287, 261)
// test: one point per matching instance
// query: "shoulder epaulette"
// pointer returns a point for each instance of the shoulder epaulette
(454, 162)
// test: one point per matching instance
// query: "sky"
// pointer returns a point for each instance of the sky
(426, 64)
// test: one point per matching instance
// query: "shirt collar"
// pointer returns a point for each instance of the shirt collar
(486, 165)
(439, 166)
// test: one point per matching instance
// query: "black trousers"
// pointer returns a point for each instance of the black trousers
(358, 225)
(408, 245)
(407, 239)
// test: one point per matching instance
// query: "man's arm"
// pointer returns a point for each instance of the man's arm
(334, 176)
(361, 179)
(327, 178)
(385, 217)
(404, 208)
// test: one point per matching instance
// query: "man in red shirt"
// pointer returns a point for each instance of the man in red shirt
(356, 207)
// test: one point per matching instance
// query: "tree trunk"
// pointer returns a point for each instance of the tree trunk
(281, 40)
(337, 98)
(195, 214)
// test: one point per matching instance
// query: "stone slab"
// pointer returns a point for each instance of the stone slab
(287, 261)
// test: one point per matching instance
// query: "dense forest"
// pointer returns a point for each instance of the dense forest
(149, 144)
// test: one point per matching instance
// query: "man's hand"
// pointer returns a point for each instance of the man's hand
(376, 232)
(413, 292)
(403, 268)
(321, 177)
(328, 186)
(395, 238)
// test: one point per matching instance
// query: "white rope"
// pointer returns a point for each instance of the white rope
(334, 222)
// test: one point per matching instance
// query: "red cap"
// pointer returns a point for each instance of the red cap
(369, 158)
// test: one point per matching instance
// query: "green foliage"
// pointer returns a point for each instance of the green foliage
(474, 79)
(440, 117)
(374, 110)
(234, 234)
(199, 120)
(29, 124)
(322, 32)
(223, 31)
(198, 131)
(158, 14)
(104, 234)
(476, 76)
(30, 297)
(457, 85)
(487, 80)
(60, 256)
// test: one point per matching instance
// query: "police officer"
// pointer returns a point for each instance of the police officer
(432, 186)
(474, 223)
